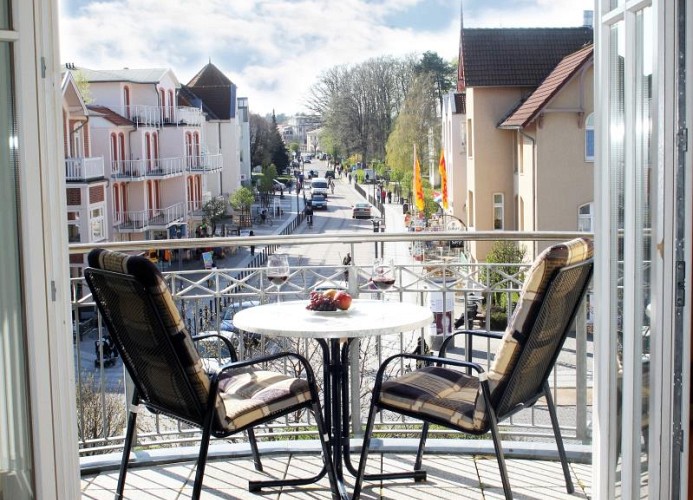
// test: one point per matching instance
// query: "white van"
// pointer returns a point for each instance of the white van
(319, 186)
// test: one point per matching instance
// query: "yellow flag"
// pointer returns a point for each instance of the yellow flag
(443, 179)
(418, 184)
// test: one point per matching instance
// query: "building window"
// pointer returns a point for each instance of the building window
(470, 208)
(470, 139)
(585, 218)
(589, 138)
(96, 223)
(498, 211)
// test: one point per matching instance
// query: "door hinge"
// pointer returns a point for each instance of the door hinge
(54, 291)
(680, 292)
(43, 67)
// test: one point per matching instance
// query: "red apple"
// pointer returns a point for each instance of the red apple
(343, 300)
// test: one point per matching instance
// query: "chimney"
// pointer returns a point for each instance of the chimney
(588, 18)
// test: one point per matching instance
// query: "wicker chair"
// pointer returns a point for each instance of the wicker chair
(168, 374)
(460, 395)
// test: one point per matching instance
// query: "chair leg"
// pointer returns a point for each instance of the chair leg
(364, 450)
(559, 439)
(253, 448)
(202, 458)
(499, 455)
(127, 446)
(422, 445)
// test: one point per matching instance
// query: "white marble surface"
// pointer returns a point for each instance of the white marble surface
(363, 319)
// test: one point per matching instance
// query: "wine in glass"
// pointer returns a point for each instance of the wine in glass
(383, 275)
(278, 269)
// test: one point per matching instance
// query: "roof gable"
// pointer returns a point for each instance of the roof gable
(215, 91)
(528, 110)
(516, 57)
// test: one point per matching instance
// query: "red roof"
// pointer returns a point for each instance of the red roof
(528, 110)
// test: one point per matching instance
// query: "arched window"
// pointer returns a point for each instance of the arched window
(121, 150)
(171, 105)
(126, 101)
(115, 166)
(148, 150)
(155, 146)
(589, 138)
(162, 103)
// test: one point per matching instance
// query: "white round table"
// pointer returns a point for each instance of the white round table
(364, 318)
(334, 331)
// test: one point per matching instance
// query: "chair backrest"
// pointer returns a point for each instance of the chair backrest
(550, 298)
(150, 335)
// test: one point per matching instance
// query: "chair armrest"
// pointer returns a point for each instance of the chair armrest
(232, 365)
(431, 359)
(227, 342)
(480, 333)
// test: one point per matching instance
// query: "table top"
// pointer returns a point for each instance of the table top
(364, 318)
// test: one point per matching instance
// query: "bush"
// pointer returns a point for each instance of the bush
(499, 319)
(509, 253)
(99, 417)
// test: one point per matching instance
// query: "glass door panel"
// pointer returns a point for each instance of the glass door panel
(16, 480)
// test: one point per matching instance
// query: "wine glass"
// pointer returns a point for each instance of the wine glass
(278, 269)
(383, 275)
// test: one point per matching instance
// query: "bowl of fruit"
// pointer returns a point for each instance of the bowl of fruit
(329, 301)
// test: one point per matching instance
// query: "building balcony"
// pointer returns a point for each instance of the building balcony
(158, 116)
(461, 466)
(83, 169)
(156, 168)
(142, 220)
(205, 164)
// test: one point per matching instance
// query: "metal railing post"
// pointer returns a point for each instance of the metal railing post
(581, 374)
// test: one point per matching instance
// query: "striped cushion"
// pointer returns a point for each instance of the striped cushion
(522, 321)
(252, 396)
(149, 276)
(436, 393)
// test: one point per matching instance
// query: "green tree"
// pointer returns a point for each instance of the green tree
(214, 210)
(277, 149)
(442, 74)
(506, 255)
(242, 199)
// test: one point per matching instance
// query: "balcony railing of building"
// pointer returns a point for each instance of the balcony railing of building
(158, 116)
(162, 168)
(142, 220)
(83, 169)
(205, 163)
(467, 291)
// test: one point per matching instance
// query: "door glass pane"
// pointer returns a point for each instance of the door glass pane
(15, 445)
(5, 15)
(616, 132)
(644, 163)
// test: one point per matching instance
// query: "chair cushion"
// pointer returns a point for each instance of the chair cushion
(250, 396)
(446, 395)
(149, 276)
(525, 314)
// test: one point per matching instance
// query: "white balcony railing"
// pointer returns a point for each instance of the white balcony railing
(205, 163)
(155, 168)
(142, 220)
(203, 295)
(158, 116)
(83, 169)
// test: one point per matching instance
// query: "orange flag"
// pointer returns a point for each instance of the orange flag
(443, 179)
(418, 184)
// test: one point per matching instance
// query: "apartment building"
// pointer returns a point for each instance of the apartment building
(226, 126)
(509, 168)
(86, 184)
(153, 149)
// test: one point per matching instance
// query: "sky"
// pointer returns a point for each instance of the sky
(275, 50)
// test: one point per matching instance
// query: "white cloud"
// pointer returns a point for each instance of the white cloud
(272, 49)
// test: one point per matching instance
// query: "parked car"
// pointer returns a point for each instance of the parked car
(278, 186)
(329, 174)
(306, 160)
(361, 210)
(226, 324)
(318, 200)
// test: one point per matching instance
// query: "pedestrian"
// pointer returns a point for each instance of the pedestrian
(346, 261)
(389, 196)
(252, 247)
